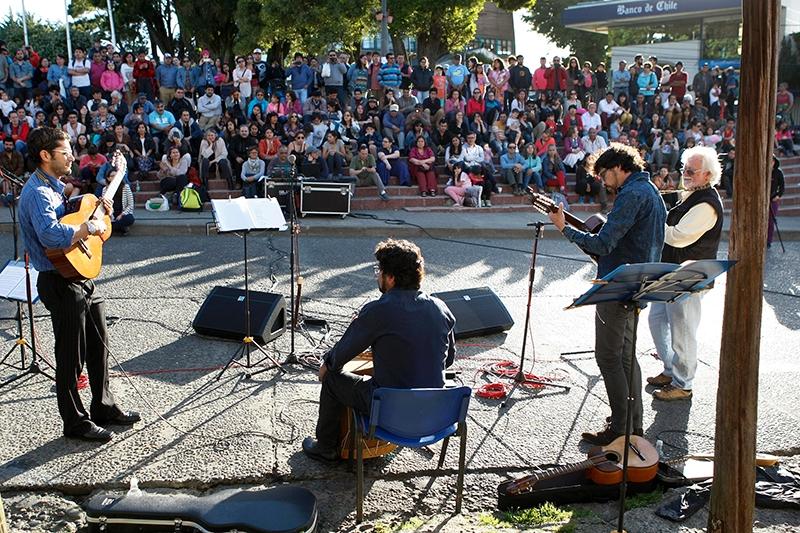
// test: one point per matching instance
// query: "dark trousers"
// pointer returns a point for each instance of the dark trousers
(119, 226)
(340, 390)
(616, 356)
(79, 340)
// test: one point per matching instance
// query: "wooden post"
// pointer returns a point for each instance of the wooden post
(733, 494)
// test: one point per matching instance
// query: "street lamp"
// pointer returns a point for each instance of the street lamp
(385, 19)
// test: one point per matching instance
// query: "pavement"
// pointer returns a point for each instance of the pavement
(470, 223)
(202, 434)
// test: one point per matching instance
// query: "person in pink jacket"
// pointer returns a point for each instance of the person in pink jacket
(111, 80)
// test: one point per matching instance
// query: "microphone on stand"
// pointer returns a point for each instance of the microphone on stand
(292, 158)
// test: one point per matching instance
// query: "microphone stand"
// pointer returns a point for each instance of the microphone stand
(520, 378)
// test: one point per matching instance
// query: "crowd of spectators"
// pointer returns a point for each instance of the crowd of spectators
(370, 118)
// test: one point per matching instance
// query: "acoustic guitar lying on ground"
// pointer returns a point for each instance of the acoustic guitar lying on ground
(84, 258)
(544, 204)
(603, 466)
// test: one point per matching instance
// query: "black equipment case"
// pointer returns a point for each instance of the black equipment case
(325, 198)
(281, 509)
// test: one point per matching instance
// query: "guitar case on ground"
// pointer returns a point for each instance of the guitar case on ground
(281, 509)
(574, 487)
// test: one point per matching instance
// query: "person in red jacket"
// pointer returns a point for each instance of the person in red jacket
(144, 73)
(476, 104)
(17, 130)
(556, 77)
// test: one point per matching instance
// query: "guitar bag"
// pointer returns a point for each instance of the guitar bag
(280, 509)
(573, 487)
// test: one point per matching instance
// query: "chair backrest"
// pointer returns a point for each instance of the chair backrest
(412, 413)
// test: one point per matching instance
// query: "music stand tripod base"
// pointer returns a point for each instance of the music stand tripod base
(244, 351)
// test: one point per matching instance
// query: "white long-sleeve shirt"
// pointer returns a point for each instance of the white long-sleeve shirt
(698, 220)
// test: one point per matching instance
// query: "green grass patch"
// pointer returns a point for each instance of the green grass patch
(643, 500)
(411, 525)
(490, 520)
(547, 513)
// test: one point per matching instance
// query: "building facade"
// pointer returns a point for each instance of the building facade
(694, 32)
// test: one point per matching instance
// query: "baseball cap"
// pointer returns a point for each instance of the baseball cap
(394, 107)
(257, 51)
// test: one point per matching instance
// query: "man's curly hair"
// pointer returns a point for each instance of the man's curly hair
(625, 157)
(403, 260)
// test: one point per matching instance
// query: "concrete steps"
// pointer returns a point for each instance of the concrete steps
(408, 198)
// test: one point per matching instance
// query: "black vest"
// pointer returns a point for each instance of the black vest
(706, 246)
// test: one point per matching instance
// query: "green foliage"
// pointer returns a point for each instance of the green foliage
(546, 19)
(47, 38)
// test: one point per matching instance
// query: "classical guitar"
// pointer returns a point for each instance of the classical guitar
(544, 204)
(84, 258)
(603, 466)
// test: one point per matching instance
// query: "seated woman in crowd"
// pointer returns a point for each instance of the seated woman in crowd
(458, 125)
(453, 104)
(252, 175)
(348, 130)
(172, 171)
(461, 190)
(214, 153)
(499, 141)
(268, 146)
(532, 168)
(476, 104)
(144, 150)
(573, 150)
(553, 171)
(422, 162)
(454, 152)
(298, 146)
(783, 139)
(122, 215)
(335, 154)
(292, 127)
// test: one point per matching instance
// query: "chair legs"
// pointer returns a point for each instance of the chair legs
(443, 452)
(359, 474)
(461, 463)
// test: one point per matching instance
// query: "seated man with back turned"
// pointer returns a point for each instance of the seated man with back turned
(412, 340)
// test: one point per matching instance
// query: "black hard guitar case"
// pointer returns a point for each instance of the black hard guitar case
(574, 487)
(281, 509)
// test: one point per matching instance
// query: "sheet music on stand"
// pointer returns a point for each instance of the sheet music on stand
(248, 214)
(12, 282)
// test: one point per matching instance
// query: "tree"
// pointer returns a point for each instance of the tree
(210, 25)
(47, 38)
(132, 19)
(546, 19)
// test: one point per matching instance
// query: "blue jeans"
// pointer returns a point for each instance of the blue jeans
(399, 169)
(674, 330)
(302, 95)
(536, 177)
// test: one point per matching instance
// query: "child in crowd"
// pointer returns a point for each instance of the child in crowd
(440, 83)
(461, 190)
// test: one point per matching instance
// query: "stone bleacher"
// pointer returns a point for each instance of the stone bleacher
(408, 198)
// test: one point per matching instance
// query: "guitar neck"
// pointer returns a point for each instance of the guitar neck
(543, 202)
(527, 481)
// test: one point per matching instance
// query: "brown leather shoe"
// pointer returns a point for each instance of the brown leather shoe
(600, 438)
(659, 380)
(670, 394)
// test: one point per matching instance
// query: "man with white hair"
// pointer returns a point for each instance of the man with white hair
(693, 231)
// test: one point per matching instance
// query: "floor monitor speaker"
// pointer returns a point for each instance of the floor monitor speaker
(223, 315)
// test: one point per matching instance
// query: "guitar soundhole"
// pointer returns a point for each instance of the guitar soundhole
(613, 457)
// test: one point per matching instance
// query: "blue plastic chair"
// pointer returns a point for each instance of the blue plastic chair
(414, 418)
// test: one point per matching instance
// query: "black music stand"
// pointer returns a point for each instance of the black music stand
(13, 272)
(241, 216)
(641, 283)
